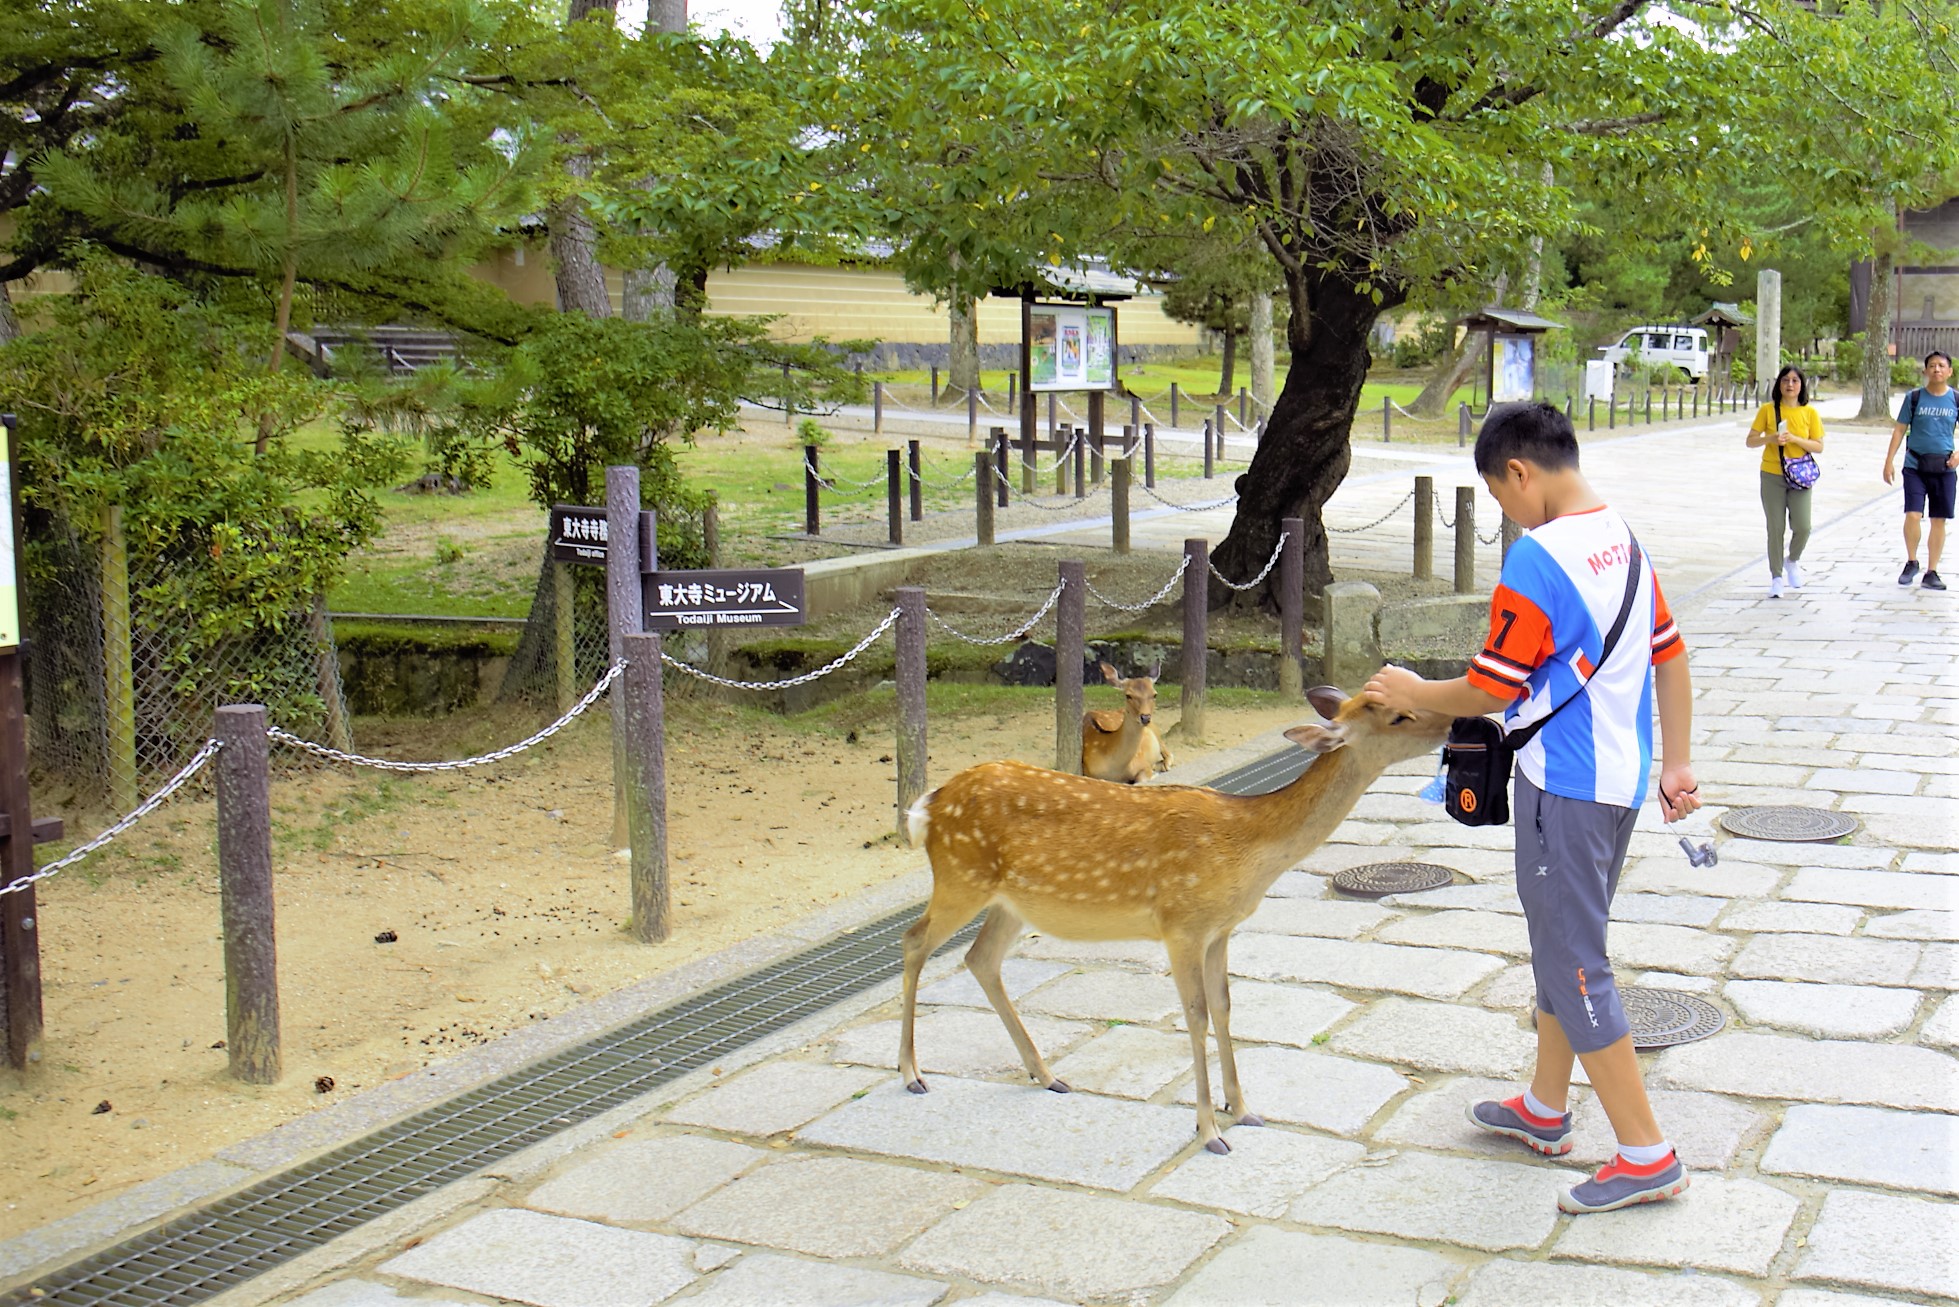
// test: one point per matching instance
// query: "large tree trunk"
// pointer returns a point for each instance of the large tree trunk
(962, 361)
(644, 292)
(1877, 329)
(574, 241)
(1229, 366)
(1262, 361)
(9, 324)
(1304, 454)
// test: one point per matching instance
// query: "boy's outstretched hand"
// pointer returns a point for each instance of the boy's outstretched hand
(1679, 792)
(1393, 687)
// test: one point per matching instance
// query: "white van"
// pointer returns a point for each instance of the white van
(1683, 347)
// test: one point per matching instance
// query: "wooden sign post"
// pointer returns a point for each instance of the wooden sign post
(20, 951)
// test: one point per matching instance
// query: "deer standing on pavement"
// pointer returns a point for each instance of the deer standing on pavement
(1123, 746)
(1085, 859)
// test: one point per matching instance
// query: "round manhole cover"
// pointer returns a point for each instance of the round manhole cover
(1380, 879)
(1800, 825)
(1661, 1018)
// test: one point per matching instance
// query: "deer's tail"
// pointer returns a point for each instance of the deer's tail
(918, 819)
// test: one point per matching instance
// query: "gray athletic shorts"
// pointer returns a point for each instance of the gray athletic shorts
(1569, 852)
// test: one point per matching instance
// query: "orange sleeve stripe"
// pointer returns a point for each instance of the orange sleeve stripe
(1488, 684)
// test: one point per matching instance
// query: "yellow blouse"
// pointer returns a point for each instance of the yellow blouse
(1803, 421)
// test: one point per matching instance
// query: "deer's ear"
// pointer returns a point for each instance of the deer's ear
(1109, 674)
(1156, 670)
(1315, 738)
(1326, 700)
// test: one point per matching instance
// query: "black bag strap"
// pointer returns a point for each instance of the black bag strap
(1524, 735)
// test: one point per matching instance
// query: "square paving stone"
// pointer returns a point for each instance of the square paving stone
(1827, 1011)
(959, 1042)
(1284, 1268)
(1018, 974)
(1812, 1070)
(1265, 1013)
(1940, 864)
(1438, 1118)
(1298, 885)
(1475, 898)
(1487, 932)
(1772, 916)
(366, 1293)
(776, 1096)
(1127, 1061)
(1707, 1130)
(1426, 973)
(1143, 954)
(1941, 1029)
(1777, 853)
(768, 1280)
(1826, 960)
(1667, 909)
(1078, 1247)
(1938, 967)
(644, 1180)
(1307, 1087)
(1085, 1139)
(1868, 1145)
(1438, 1036)
(550, 1261)
(1671, 874)
(1329, 918)
(1914, 832)
(1474, 1204)
(1264, 1171)
(1514, 990)
(827, 1206)
(1717, 1225)
(1106, 994)
(1919, 924)
(1666, 948)
(1824, 1298)
(1504, 1283)
(1873, 889)
(1879, 1241)
(1857, 780)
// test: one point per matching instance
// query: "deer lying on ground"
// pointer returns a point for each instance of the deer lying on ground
(1123, 746)
(1085, 859)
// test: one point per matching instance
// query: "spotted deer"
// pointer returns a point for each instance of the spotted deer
(1123, 746)
(1085, 859)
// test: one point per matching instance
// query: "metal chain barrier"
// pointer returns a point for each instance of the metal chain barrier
(1150, 602)
(1010, 636)
(388, 764)
(831, 485)
(804, 679)
(1446, 523)
(140, 811)
(1355, 530)
(1189, 508)
(1270, 563)
(1028, 501)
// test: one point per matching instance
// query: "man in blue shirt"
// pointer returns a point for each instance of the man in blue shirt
(1928, 414)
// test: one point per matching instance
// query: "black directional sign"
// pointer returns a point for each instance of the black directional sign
(577, 534)
(768, 596)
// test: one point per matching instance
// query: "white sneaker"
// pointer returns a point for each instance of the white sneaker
(1793, 573)
(1775, 588)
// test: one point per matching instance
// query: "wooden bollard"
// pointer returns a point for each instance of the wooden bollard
(1129, 431)
(1095, 455)
(877, 408)
(1013, 392)
(911, 698)
(1210, 454)
(1244, 408)
(1060, 463)
(972, 416)
(894, 495)
(1026, 462)
(1465, 540)
(646, 746)
(915, 469)
(1649, 406)
(935, 385)
(1611, 411)
(1054, 427)
(999, 443)
(812, 505)
(1197, 587)
(1462, 425)
(1070, 619)
(983, 495)
(1387, 419)
(1591, 413)
(1119, 499)
(1292, 603)
(1149, 454)
(1175, 401)
(1512, 533)
(1081, 464)
(788, 401)
(1135, 414)
(625, 610)
(251, 963)
(1217, 417)
(1424, 528)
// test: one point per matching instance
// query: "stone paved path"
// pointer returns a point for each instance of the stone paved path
(1821, 1127)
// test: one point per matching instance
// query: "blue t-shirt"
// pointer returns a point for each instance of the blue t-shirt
(1932, 419)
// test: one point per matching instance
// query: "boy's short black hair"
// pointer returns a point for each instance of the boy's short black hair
(1537, 433)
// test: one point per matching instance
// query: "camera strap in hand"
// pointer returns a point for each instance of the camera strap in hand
(1517, 739)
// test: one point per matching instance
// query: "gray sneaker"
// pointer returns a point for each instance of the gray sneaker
(1511, 1119)
(1909, 574)
(1621, 1184)
(1931, 581)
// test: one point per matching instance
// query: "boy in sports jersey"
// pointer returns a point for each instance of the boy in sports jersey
(1579, 782)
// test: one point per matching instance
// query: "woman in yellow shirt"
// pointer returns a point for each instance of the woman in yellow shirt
(1786, 427)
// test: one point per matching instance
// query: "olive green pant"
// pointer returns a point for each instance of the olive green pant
(1786, 510)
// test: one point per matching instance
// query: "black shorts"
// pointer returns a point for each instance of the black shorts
(1930, 492)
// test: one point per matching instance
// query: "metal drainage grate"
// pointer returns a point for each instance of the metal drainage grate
(201, 1254)
(1795, 825)
(1380, 879)
(1661, 1018)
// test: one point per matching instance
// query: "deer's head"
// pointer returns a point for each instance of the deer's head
(1383, 735)
(1138, 692)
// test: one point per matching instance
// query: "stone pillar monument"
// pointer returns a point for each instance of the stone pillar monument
(1768, 324)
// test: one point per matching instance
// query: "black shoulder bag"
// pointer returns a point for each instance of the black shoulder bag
(1478, 754)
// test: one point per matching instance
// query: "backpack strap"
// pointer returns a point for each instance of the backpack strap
(1519, 738)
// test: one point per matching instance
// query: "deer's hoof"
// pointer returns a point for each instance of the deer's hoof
(1218, 1146)
(915, 1086)
(1059, 1087)
(1251, 1118)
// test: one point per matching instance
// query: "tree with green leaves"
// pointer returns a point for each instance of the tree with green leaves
(1376, 150)
(1213, 282)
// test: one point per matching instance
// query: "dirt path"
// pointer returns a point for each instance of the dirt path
(503, 894)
